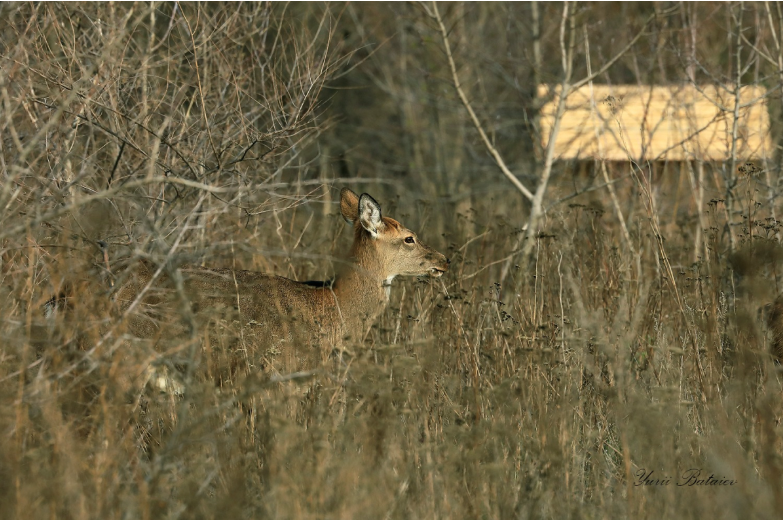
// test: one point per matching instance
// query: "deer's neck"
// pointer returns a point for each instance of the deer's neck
(362, 292)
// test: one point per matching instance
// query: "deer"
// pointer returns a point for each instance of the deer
(270, 315)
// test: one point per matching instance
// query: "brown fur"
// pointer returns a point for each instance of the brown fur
(265, 316)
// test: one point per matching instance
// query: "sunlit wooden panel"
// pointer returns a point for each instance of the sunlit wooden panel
(675, 123)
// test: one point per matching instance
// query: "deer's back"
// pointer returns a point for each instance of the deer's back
(262, 316)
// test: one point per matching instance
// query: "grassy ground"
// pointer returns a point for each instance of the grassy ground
(507, 389)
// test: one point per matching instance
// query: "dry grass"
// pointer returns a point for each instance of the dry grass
(543, 394)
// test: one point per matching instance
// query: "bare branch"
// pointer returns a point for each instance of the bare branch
(455, 79)
(606, 66)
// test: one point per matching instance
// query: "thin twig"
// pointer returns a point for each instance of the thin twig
(458, 87)
(200, 89)
(62, 210)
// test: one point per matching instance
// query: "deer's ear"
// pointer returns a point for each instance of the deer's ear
(370, 215)
(349, 205)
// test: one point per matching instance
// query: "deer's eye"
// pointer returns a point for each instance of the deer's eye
(409, 240)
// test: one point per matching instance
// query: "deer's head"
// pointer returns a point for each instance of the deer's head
(383, 244)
